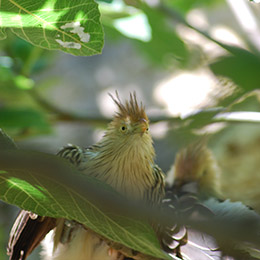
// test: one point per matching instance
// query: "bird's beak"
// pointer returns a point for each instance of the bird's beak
(143, 126)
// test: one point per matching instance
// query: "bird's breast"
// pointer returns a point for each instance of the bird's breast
(130, 172)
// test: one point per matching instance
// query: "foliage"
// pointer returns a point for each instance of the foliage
(48, 186)
(31, 30)
(40, 24)
(242, 67)
(72, 27)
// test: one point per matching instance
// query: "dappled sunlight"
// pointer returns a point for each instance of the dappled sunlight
(159, 130)
(224, 34)
(247, 20)
(194, 38)
(195, 69)
(198, 18)
(105, 103)
(185, 92)
(240, 116)
(16, 186)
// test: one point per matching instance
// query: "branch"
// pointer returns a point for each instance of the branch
(176, 16)
(215, 115)
(62, 115)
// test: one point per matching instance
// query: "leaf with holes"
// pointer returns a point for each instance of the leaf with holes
(49, 186)
(70, 26)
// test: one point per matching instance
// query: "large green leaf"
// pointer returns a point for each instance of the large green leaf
(70, 26)
(49, 186)
(187, 5)
(242, 67)
(166, 46)
(202, 118)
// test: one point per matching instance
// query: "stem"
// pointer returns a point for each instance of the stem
(176, 16)
(63, 115)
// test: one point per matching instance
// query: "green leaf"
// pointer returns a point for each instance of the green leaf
(49, 186)
(22, 118)
(187, 5)
(105, 1)
(242, 67)
(249, 102)
(70, 26)
(165, 46)
(202, 117)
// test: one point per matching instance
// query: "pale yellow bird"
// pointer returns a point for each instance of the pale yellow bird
(124, 159)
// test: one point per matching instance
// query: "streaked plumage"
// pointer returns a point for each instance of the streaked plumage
(123, 158)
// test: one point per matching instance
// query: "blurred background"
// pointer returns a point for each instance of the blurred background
(194, 64)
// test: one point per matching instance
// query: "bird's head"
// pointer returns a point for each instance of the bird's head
(196, 163)
(129, 129)
(130, 119)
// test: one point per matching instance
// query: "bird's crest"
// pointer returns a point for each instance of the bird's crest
(130, 109)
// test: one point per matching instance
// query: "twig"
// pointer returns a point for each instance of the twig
(176, 16)
(62, 115)
(216, 114)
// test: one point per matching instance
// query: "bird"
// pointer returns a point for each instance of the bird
(196, 164)
(124, 159)
(196, 174)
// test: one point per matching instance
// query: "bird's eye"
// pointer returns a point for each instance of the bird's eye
(123, 128)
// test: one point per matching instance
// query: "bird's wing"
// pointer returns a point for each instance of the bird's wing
(156, 193)
(73, 153)
(27, 232)
(182, 241)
